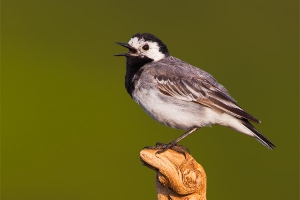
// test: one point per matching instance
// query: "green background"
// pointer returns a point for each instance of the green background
(70, 130)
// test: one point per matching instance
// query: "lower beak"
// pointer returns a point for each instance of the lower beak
(121, 54)
(126, 45)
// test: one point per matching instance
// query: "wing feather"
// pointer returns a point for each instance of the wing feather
(199, 90)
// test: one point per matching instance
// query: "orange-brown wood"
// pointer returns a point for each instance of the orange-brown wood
(178, 175)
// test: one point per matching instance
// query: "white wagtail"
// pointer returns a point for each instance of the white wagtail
(178, 94)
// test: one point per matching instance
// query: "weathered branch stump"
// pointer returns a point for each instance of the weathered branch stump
(178, 175)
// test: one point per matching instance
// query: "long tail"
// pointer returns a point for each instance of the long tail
(258, 136)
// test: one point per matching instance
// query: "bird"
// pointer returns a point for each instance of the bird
(180, 95)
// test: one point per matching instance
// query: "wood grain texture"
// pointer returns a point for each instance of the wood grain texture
(178, 175)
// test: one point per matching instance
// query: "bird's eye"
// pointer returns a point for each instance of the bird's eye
(146, 47)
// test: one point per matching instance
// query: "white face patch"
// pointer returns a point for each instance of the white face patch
(153, 51)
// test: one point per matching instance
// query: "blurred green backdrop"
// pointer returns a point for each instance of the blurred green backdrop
(70, 130)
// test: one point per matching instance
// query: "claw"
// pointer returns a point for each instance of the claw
(161, 147)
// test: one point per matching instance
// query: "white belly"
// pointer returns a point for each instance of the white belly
(171, 111)
(181, 114)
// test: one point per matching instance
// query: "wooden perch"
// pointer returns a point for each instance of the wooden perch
(178, 175)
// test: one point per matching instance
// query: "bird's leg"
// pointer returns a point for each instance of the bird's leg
(173, 143)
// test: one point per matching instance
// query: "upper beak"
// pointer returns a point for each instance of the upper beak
(126, 45)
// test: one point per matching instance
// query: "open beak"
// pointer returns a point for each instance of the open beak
(126, 45)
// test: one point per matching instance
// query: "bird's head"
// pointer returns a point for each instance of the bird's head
(145, 45)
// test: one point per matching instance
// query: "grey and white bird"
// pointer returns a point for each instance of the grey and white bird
(178, 94)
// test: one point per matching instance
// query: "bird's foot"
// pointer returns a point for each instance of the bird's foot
(164, 147)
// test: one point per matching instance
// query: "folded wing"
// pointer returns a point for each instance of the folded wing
(200, 90)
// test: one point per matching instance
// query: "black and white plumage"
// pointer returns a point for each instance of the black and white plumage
(178, 94)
